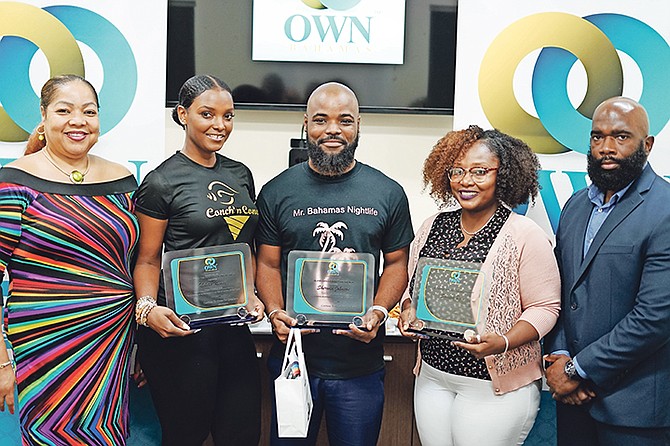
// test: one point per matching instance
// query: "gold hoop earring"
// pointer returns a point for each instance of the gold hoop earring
(40, 135)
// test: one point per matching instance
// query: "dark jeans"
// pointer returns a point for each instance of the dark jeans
(353, 409)
(202, 383)
(577, 428)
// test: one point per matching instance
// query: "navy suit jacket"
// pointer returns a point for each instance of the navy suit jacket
(615, 303)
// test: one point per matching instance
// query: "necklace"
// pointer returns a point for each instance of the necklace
(75, 176)
(471, 234)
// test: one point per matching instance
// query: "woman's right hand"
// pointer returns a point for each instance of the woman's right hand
(166, 323)
(7, 383)
(407, 320)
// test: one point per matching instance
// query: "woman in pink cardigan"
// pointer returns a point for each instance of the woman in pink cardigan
(487, 391)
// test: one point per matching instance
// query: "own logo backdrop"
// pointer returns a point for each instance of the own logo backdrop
(347, 31)
(117, 52)
(537, 71)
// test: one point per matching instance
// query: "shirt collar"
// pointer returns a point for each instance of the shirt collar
(597, 196)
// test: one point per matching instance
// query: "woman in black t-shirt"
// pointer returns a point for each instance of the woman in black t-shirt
(201, 381)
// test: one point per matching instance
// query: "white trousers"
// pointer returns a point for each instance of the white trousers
(454, 410)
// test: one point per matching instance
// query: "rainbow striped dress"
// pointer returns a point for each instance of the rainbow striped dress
(69, 316)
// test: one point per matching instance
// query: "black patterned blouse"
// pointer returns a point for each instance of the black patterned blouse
(445, 234)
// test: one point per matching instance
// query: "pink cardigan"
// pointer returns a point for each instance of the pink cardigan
(525, 285)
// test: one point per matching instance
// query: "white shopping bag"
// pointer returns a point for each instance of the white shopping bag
(293, 397)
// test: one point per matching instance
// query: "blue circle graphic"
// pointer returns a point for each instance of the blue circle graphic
(20, 101)
(118, 62)
(549, 86)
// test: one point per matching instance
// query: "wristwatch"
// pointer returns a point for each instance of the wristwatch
(571, 370)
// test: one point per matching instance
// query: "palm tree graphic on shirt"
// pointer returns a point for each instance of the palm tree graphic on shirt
(328, 236)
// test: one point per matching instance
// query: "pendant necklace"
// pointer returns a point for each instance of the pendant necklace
(76, 176)
(472, 234)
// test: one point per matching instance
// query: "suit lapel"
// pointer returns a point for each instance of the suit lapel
(632, 199)
(577, 248)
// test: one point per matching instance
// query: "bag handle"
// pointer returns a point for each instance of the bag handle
(291, 344)
(297, 338)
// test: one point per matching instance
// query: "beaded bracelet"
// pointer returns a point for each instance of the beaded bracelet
(143, 307)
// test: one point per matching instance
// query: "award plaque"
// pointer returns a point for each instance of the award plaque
(209, 285)
(329, 289)
(450, 297)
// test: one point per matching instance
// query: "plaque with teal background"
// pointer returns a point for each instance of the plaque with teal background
(209, 285)
(329, 288)
(449, 296)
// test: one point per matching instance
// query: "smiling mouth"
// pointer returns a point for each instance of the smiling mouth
(216, 137)
(467, 194)
(77, 136)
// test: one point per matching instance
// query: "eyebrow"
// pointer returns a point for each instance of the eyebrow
(615, 132)
(72, 105)
(325, 115)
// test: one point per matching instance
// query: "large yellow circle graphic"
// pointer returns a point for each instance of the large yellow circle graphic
(51, 36)
(588, 43)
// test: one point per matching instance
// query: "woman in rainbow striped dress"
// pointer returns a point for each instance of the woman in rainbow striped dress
(67, 236)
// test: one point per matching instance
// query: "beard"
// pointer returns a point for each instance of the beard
(335, 164)
(629, 169)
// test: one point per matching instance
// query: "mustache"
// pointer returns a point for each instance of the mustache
(331, 138)
(600, 161)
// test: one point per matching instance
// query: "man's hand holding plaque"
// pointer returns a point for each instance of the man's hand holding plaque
(370, 323)
(333, 290)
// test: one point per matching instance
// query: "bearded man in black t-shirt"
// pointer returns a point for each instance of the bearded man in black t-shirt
(333, 203)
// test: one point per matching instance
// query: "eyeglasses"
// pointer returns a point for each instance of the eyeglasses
(478, 174)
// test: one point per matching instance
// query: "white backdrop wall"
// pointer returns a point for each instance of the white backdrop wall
(395, 144)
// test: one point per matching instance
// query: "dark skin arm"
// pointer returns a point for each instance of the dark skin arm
(392, 283)
(491, 343)
(268, 285)
(146, 275)
(563, 388)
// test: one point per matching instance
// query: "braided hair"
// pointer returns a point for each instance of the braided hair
(193, 88)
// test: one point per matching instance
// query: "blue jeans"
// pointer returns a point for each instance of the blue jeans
(353, 409)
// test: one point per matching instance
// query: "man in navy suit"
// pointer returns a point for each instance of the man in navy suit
(610, 361)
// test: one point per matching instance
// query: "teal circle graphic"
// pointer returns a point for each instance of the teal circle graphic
(340, 5)
(337, 5)
(638, 40)
(116, 56)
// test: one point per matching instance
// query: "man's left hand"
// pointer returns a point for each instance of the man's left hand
(371, 321)
(559, 383)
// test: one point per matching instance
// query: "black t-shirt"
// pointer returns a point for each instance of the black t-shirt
(204, 206)
(370, 213)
